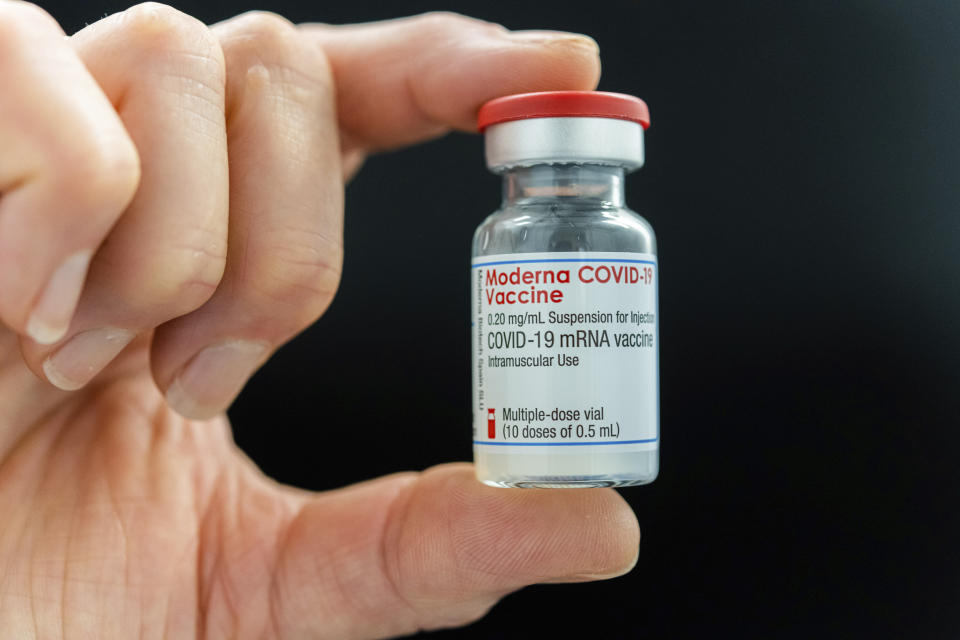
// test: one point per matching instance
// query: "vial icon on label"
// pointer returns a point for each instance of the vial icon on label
(564, 298)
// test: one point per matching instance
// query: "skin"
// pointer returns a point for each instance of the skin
(191, 180)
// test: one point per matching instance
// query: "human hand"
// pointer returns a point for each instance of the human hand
(199, 173)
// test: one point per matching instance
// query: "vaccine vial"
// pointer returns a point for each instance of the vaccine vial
(564, 298)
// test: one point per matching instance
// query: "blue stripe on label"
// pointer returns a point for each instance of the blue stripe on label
(560, 444)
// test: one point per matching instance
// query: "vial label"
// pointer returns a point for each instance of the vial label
(565, 352)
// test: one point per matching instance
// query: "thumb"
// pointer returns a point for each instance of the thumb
(438, 549)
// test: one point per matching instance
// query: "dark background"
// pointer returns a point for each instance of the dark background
(802, 177)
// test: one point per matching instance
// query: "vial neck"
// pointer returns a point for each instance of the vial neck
(600, 185)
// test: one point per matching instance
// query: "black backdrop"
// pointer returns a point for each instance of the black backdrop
(803, 180)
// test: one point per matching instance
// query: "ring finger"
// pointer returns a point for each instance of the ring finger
(286, 217)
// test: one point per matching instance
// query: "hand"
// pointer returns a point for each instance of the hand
(129, 262)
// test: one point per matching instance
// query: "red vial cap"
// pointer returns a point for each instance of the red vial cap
(564, 104)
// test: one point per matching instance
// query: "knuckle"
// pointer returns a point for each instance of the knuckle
(263, 39)
(265, 28)
(444, 20)
(18, 22)
(101, 175)
(159, 27)
(301, 276)
(161, 21)
(180, 55)
(448, 22)
(15, 14)
(177, 281)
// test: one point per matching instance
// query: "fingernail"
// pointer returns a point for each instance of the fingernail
(591, 577)
(84, 356)
(584, 577)
(51, 316)
(562, 38)
(213, 378)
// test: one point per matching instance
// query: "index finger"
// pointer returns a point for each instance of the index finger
(407, 80)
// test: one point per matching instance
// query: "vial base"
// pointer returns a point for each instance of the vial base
(565, 470)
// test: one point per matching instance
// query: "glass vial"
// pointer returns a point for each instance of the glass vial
(564, 298)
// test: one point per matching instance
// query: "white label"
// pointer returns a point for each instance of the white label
(565, 351)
